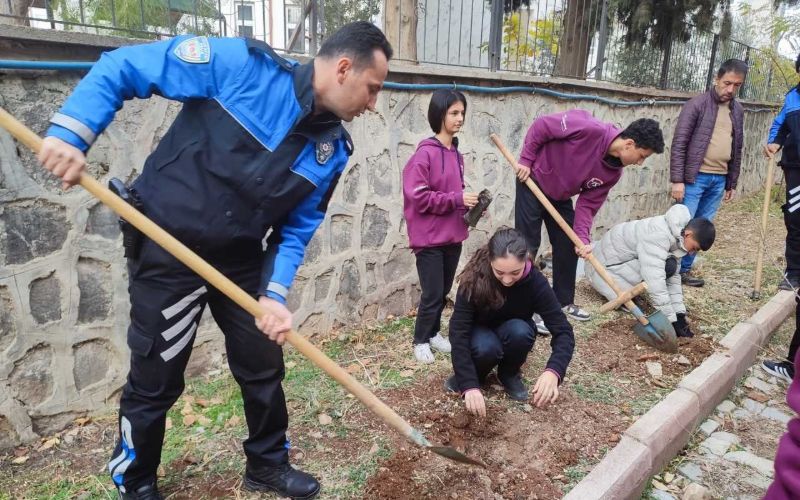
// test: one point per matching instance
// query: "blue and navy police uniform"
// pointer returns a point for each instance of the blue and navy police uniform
(786, 132)
(243, 177)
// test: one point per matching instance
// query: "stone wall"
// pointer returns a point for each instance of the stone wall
(63, 290)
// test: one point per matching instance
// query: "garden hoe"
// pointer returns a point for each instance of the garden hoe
(655, 329)
(248, 303)
(756, 293)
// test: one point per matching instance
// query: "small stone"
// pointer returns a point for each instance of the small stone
(684, 361)
(762, 465)
(742, 414)
(719, 443)
(709, 426)
(661, 495)
(654, 369)
(726, 407)
(753, 406)
(758, 396)
(755, 383)
(696, 492)
(691, 471)
(527, 408)
(776, 415)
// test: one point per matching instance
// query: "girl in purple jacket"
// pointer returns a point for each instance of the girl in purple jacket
(434, 204)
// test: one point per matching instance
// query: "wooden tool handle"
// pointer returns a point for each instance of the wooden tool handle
(567, 229)
(221, 283)
(764, 218)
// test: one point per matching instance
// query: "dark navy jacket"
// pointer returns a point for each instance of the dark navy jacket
(786, 129)
(245, 154)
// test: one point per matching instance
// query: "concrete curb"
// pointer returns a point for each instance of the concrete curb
(658, 435)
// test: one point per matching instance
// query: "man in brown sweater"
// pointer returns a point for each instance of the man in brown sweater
(707, 150)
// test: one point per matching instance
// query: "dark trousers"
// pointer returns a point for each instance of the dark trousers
(167, 301)
(436, 267)
(795, 343)
(505, 347)
(791, 217)
(528, 217)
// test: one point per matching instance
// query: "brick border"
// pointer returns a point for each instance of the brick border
(658, 435)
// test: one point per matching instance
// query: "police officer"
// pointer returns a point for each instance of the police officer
(258, 147)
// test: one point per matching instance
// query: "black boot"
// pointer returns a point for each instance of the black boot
(790, 283)
(690, 280)
(282, 479)
(146, 492)
(514, 387)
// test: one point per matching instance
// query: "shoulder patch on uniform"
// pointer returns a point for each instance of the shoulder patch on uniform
(324, 152)
(194, 50)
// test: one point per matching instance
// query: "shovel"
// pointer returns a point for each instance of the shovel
(756, 293)
(248, 303)
(654, 329)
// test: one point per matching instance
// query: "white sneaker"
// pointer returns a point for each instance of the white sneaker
(440, 343)
(423, 353)
(541, 329)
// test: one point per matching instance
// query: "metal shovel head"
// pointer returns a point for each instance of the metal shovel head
(453, 454)
(663, 326)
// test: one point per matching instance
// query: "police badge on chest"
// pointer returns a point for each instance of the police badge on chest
(324, 152)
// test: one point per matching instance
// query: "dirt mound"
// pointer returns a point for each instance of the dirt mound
(620, 351)
(526, 449)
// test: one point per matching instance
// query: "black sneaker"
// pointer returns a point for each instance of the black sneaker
(283, 479)
(450, 385)
(689, 280)
(789, 284)
(780, 369)
(514, 387)
(146, 492)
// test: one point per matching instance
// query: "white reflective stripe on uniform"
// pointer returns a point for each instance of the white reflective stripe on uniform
(76, 127)
(178, 327)
(794, 207)
(794, 190)
(181, 304)
(179, 345)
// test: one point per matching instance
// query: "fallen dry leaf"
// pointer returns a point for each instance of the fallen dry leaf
(407, 373)
(758, 396)
(189, 420)
(659, 485)
(20, 460)
(647, 357)
(203, 420)
(233, 421)
(290, 364)
(202, 402)
(168, 424)
(49, 444)
(82, 421)
(352, 369)
(187, 409)
(325, 419)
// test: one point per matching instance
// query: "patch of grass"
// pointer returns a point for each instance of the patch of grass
(576, 473)
(597, 387)
(755, 202)
(643, 403)
(62, 488)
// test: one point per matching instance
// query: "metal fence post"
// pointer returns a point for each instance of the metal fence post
(496, 35)
(601, 42)
(712, 61)
(744, 86)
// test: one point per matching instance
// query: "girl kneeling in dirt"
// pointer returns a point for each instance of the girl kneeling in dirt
(434, 204)
(499, 291)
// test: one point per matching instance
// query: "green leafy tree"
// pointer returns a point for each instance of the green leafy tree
(340, 12)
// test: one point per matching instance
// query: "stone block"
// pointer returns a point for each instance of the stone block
(691, 471)
(726, 406)
(711, 381)
(322, 284)
(32, 229)
(757, 383)
(94, 283)
(31, 380)
(708, 427)
(380, 175)
(352, 184)
(753, 406)
(91, 362)
(666, 428)
(742, 342)
(46, 425)
(622, 474)
(103, 222)
(776, 415)
(8, 324)
(374, 227)
(341, 233)
(772, 314)
(762, 465)
(400, 266)
(719, 443)
(45, 299)
(349, 290)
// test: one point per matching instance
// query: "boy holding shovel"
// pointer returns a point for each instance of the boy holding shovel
(568, 154)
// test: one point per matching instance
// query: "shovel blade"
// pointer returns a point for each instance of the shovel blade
(663, 326)
(453, 454)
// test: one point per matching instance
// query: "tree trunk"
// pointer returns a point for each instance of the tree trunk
(400, 17)
(573, 48)
(17, 8)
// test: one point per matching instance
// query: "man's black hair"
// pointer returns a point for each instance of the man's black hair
(358, 41)
(703, 232)
(736, 66)
(441, 100)
(646, 133)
